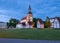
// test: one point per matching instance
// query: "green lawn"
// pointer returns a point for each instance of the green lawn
(35, 34)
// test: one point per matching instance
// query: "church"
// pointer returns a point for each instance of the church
(27, 22)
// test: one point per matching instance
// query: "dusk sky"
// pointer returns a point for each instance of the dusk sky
(19, 8)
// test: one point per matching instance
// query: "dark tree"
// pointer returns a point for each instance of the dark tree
(47, 22)
(35, 22)
(12, 22)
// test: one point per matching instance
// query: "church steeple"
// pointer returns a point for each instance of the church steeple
(29, 10)
(29, 16)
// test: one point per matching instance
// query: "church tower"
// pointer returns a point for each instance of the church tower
(29, 15)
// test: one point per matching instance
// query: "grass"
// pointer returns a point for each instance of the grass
(35, 34)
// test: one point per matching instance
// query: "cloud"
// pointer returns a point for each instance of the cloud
(4, 18)
(6, 15)
(10, 12)
(40, 8)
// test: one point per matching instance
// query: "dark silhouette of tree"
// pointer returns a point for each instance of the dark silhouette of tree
(12, 22)
(35, 22)
(47, 22)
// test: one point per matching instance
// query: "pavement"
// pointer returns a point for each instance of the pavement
(5, 40)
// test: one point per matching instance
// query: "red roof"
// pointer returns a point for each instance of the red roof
(41, 21)
(24, 18)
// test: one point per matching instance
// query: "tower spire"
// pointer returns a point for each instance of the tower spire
(29, 10)
(29, 7)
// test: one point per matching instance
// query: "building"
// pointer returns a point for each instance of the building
(55, 22)
(3, 25)
(40, 24)
(26, 22)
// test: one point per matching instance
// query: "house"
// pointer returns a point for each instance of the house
(3, 25)
(55, 22)
(40, 23)
(26, 22)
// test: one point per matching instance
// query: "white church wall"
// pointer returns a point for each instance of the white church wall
(27, 26)
(19, 26)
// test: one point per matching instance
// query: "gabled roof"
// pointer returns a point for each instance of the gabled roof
(41, 21)
(58, 18)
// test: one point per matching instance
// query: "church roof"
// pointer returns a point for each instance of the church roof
(24, 18)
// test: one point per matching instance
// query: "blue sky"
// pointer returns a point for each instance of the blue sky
(19, 8)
